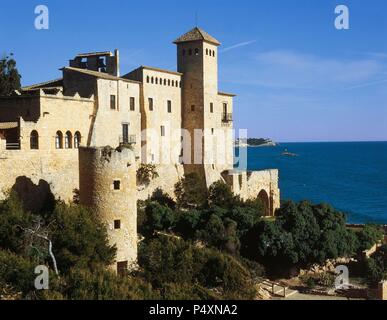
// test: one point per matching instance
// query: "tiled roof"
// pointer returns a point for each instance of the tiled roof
(51, 83)
(197, 34)
(162, 70)
(97, 74)
(226, 94)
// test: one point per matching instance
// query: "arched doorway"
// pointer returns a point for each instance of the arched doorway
(264, 197)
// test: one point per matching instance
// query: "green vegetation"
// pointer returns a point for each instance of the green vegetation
(9, 76)
(146, 173)
(200, 247)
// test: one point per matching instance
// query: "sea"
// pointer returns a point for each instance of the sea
(351, 176)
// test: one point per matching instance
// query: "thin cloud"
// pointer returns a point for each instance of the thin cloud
(367, 84)
(238, 45)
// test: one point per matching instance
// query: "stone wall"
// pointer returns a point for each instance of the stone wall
(46, 169)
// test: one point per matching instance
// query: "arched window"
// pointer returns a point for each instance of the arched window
(34, 140)
(173, 83)
(147, 79)
(165, 82)
(206, 52)
(169, 82)
(196, 52)
(157, 80)
(68, 140)
(152, 80)
(77, 140)
(59, 140)
(161, 81)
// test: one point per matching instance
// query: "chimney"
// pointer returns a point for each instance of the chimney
(117, 61)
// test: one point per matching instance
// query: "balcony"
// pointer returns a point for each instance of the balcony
(130, 139)
(12, 146)
(227, 117)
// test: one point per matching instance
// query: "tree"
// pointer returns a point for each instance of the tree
(369, 236)
(191, 192)
(157, 218)
(9, 76)
(220, 195)
(79, 239)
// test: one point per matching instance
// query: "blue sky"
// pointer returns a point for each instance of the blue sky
(296, 76)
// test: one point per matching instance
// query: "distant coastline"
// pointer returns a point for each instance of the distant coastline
(255, 142)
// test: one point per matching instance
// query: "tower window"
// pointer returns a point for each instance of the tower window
(193, 108)
(112, 102)
(122, 268)
(196, 52)
(157, 80)
(117, 185)
(165, 82)
(162, 131)
(169, 106)
(211, 107)
(132, 103)
(147, 79)
(152, 80)
(117, 224)
(169, 83)
(34, 140)
(150, 102)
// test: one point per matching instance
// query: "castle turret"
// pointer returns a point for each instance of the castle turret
(108, 187)
(203, 107)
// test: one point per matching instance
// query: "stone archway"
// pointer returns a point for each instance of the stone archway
(264, 197)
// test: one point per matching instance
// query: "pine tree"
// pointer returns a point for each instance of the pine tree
(9, 75)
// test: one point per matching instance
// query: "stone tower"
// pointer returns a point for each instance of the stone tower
(197, 59)
(108, 187)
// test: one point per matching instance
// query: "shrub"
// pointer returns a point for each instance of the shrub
(146, 173)
(369, 236)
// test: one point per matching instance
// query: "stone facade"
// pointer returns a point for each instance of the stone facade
(53, 136)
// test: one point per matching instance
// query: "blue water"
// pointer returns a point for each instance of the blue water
(350, 176)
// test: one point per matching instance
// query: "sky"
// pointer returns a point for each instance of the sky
(297, 78)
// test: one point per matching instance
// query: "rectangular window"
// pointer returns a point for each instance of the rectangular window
(162, 131)
(117, 184)
(125, 133)
(132, 103)
(150, 102)
(122, 268)
(113, 102)
(169, 106)
(211, 107)
(225, 108)
(117, 224)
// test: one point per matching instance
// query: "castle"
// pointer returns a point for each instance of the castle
(54, 136)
